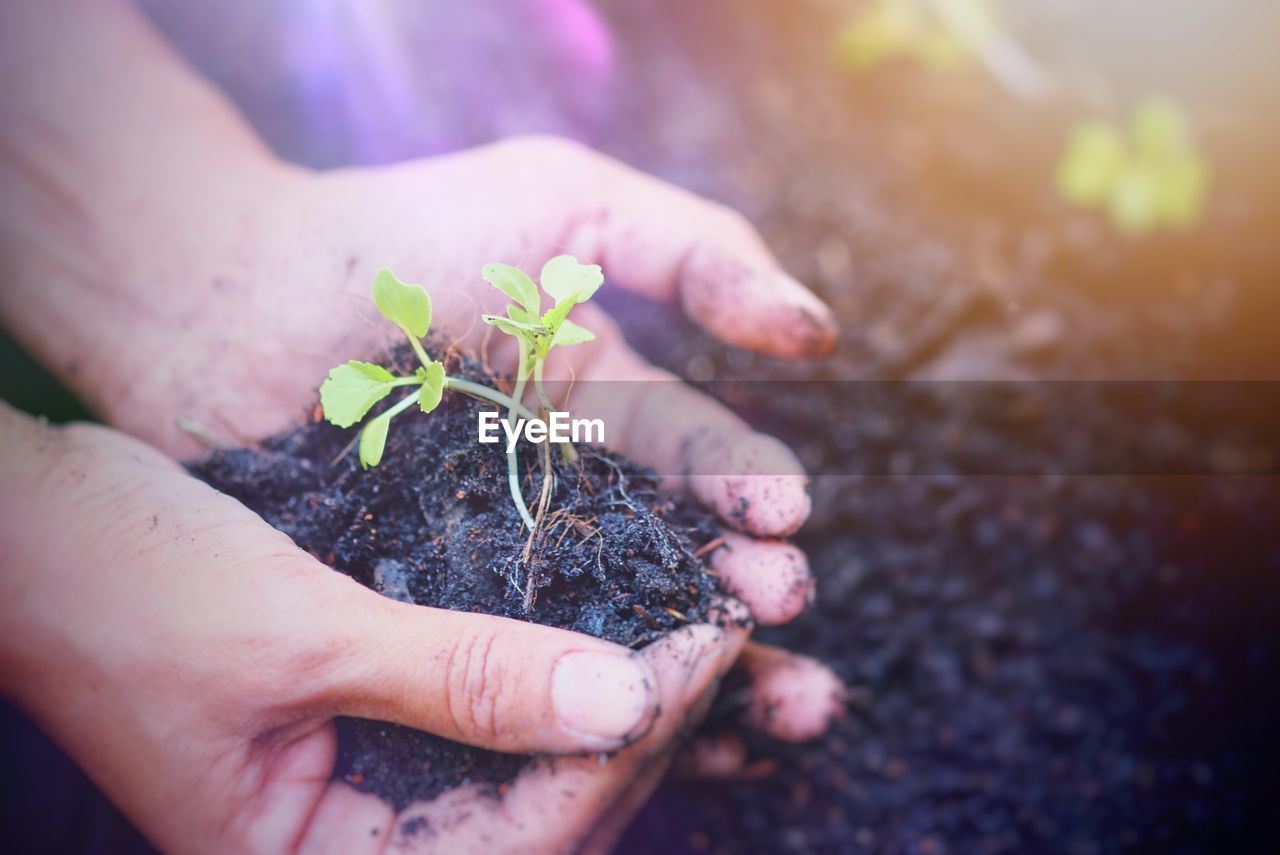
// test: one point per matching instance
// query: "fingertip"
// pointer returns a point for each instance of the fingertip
(761, 309)
(794, 698)
(688, 660)
(603, 700)
(814, 330)
(771, 577)
(765, 505)
(753, 481)
(716, 758)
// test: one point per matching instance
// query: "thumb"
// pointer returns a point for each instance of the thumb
(488, 681)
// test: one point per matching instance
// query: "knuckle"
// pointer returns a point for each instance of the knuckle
(477, 686)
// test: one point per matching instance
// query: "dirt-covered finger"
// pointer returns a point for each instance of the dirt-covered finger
(793, 697)
(770, 576)
(577, 791)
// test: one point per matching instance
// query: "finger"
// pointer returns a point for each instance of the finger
(719, 757)
(489, 681)
(659, 240)
(793, 697)
(750, 480)
(576, 791)
(614, 820)
(347, 821)
(771, 577)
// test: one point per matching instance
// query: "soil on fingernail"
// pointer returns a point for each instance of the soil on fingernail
(434, 524)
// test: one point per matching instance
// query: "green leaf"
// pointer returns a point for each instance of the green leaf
(407, 305)
(564, 278)
(432, 387)
(515, 283)
(1159, 128)
(351, 389)
(520, 316)
(555, 316)
(1184, 182)
(510, 327)
(373, 439)
(571, 333)
(1135, 201)
(1093, 161)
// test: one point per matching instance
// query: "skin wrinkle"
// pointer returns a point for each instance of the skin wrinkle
(45, 189)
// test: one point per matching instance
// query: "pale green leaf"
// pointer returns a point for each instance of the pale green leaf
(564, 278)
(432, 387)
(351, 389)
(1092, 162)
(556, 314)
(373, 439)
(1183, 184)
(510, 327)
(515, 283)
(571, 333)
(407, 305)
(1159, 128)
(1135, 200)
(520, 316)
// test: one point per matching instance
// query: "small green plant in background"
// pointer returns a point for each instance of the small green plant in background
(943, 35)
(1146, 176)
(897, 29)
(353, 388)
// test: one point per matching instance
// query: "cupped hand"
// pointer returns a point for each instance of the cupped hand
(192, 659)
(280, 293)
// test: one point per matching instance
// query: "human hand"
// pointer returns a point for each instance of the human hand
(270, 331)
(167, 268)
(270, 310)
(192, 659)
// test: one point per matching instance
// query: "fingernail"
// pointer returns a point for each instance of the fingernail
(813, 328)
(601, 695)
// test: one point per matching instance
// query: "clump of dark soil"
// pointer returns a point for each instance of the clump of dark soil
(434, 524)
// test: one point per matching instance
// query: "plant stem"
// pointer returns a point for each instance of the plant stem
(422, 354)
(567, 451)
(513, 468)
(400, 407)
(537, 384)
(484, 393)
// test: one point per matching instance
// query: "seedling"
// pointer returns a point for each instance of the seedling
(567, 283)
(353, 388)
(1146, 177)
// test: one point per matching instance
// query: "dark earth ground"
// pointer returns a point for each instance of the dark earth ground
(1067, 663)
(1039, 663)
